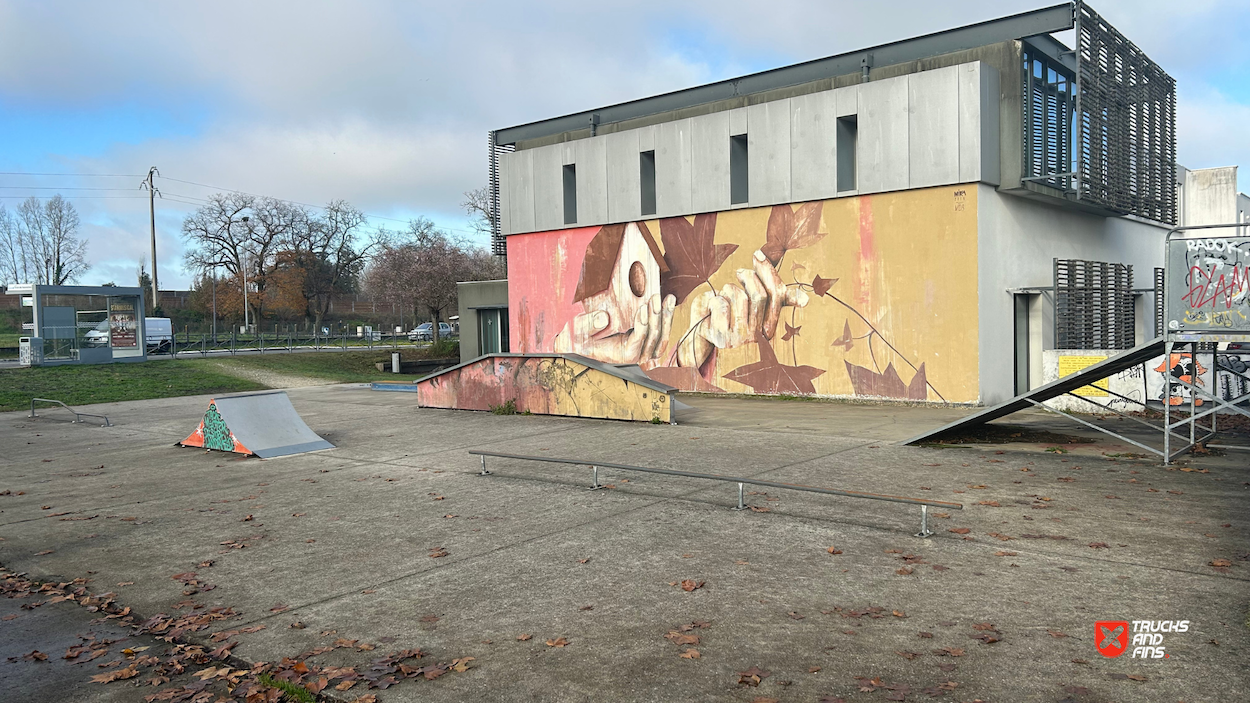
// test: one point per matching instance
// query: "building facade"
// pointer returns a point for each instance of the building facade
(875, 224)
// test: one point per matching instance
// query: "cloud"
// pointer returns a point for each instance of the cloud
(387, 103)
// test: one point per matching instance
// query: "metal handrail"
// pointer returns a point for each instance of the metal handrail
(77, 414)
(924, 503)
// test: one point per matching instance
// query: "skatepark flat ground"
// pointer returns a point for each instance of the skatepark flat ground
(346, 541)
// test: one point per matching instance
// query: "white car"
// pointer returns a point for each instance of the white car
(425, 332)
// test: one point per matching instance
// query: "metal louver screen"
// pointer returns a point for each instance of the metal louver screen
(1126, 124)
(1049, 97)
(498, 245)
(1093, 305)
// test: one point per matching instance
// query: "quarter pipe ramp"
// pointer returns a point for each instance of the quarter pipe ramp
(260, 424)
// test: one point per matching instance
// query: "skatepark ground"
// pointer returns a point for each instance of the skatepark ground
(393, 541)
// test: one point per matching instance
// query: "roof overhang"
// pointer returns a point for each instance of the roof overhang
(1035, 26)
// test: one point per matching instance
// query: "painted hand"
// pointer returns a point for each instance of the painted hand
(645, 340)
(738, 314)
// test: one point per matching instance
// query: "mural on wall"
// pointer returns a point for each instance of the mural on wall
(546, 385)
(864, 296)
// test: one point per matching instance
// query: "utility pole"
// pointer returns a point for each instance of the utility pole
(152, 193)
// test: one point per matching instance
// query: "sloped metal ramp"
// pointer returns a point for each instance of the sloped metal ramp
(1034, 398)
(260, 424)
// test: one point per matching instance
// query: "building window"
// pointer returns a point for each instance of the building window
(570, 194)
(646, 173)
(738, 183)
(848, 135)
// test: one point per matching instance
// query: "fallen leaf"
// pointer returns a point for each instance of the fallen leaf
(524, 637)
(959, 530)
(1130, 677)
(690, 654)
(834, 550)
(584, 561)
(752, 676)
(1099, 545)
(908, 655)
(905, 571)
(558, 642)
(689, 585)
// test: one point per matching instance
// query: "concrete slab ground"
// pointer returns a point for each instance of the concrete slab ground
(392, 540)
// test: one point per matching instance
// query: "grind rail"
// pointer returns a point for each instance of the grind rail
(77, 415)
(595, 485)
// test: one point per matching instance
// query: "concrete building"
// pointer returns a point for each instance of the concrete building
(483, 318)
(892, 222)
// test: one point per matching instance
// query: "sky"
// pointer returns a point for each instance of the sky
(386, 104)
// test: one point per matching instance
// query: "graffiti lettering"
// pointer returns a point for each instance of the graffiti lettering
(1219, 275)
(1222, 318)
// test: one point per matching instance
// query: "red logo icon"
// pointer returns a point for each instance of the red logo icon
(1111, 636)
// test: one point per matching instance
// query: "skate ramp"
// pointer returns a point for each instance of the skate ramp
(549, 384)
(260, 424)
(1090, 374)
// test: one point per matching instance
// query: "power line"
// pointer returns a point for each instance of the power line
(85, 175)
(79, 197)
(59, 188)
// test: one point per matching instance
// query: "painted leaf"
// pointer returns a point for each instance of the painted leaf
(887, 384)
(790, 228)
(684, 378)
(820, 286)
(791, 332)
(846, 341)
(691, 254)
(770, 376)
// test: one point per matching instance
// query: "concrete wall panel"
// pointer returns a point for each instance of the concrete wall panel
(521, 189)
(1017, 240)
(738, 121)
(591, 157)
(548, 182)
(933, 127)
(624, 196)
(846, 101)
(883, 136)
(768, 152)
(672, 169)
(709, 163)
(813, 146)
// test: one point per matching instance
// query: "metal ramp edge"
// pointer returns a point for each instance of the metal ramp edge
(1096, 372)
(627, 372)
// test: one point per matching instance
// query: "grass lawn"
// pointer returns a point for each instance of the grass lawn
(343, 367)
(106, 383)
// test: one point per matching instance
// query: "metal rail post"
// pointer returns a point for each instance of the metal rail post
(594, 481)
(924, 522)
(741, 504)
(484, 472)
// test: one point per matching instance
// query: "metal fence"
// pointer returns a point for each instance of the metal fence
(190, 343)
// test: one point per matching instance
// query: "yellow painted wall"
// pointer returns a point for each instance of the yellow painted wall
(904, 263)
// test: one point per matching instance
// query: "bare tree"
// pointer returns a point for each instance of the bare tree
(423, 268)
(13, 261)
(477, 206)
(331, 255)
(42, 242)
(242, 234)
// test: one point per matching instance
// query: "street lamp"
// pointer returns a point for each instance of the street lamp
(243, 267)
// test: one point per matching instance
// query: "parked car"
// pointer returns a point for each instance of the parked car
(159, 335)
(425, 332)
